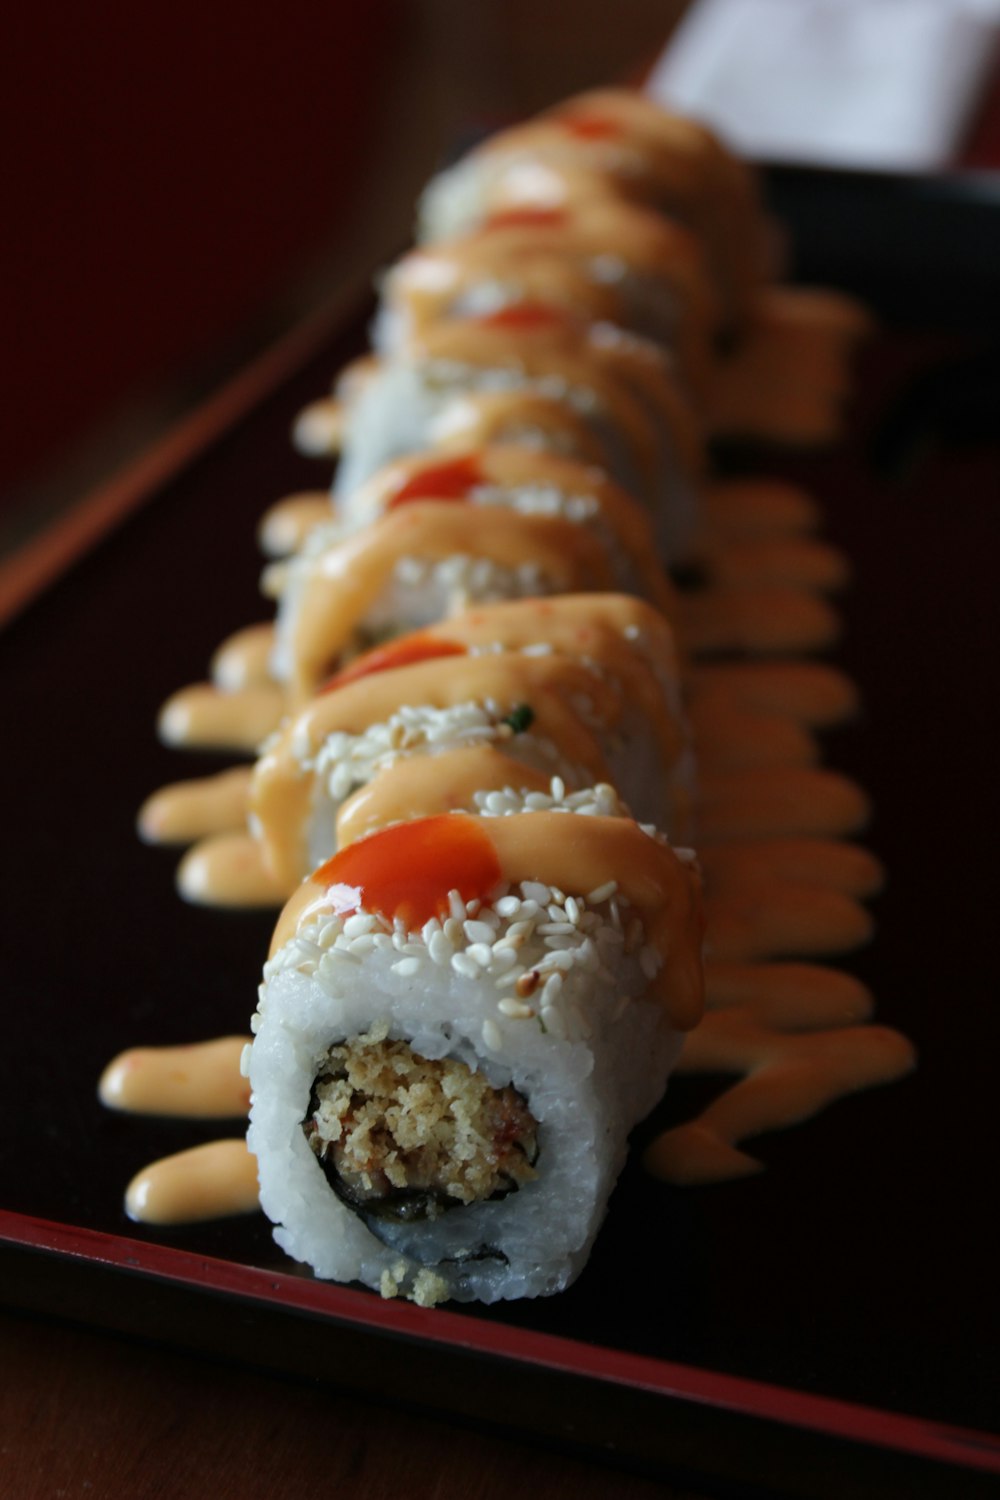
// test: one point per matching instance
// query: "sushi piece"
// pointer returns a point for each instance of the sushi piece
(615, 143)
(581, 690)
(529, 482)
(620, 385)
(604, 260)
(461, 1019)
(464, 419)
(406, 554)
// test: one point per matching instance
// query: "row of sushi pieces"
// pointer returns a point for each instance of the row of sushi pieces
(486, 725)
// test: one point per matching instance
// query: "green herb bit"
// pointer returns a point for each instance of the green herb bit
(520, 718)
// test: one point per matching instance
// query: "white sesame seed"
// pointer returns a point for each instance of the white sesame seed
(456, 906)
(515, 1009)
(481, 954)
(464, 965)
(440, 949)
(553, 1023)
(344, 955)
(406, 967)
(602, 892)
(551, 989)
(478, 932)
(453, 931)
(492, 1035)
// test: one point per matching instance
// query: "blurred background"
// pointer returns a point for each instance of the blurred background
(183, 182)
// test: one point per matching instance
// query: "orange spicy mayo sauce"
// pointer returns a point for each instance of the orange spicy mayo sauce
(201, 1081)
(211, 1181)
(793, 1034)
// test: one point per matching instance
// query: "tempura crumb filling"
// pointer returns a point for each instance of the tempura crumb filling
(408, 1137)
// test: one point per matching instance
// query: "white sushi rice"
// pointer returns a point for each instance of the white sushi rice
(540, 990)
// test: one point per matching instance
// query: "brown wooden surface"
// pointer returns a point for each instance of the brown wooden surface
(83, 1414)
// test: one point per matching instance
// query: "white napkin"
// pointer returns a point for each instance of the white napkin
(867, 83)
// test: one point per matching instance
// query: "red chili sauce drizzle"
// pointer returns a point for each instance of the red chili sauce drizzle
(526, 218)
(591, 127)
(408, 870)
(525, 317)
(448, 481)
(404, 652)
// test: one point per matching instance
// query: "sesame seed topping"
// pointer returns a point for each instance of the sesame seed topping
(492, 1035)
(464, 965)
(479, 932)
(515, 1009)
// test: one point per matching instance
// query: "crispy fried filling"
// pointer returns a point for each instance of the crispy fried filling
(405, 1137)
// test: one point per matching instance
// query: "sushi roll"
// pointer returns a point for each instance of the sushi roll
(461, 1019)
(580, 694)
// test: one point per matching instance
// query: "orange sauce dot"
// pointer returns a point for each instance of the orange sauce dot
(404, 652)
(526, 218)
(525, 316)
(591, 127)
(408, 870)
(448, 481)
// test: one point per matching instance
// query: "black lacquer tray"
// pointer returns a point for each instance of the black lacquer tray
(829, 1327)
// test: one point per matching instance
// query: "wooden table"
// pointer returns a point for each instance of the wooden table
(85, 1414)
